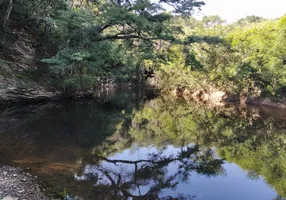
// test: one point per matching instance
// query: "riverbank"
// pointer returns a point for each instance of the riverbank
(221, 98)
(17, 184)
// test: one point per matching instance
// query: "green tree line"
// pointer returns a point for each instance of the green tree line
(84, 42)
(246, 57)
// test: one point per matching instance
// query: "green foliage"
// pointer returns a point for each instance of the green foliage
(259, 47)
(174, 73)
(82, 68)
(248, 57)
(83, 42)
(249, 20)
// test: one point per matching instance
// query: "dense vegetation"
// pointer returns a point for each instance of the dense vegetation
(84, 42)
(246, 57)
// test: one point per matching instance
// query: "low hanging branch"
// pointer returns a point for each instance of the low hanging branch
(7, 13)
(122, 37)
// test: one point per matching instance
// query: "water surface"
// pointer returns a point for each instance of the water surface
(133, 145)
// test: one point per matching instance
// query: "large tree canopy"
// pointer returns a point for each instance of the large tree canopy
(143, 19)
(114, 19)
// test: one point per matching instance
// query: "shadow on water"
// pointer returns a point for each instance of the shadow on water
(126, 145)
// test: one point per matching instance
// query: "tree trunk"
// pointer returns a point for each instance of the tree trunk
(7, 14)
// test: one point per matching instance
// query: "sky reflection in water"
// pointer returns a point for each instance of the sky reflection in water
(233, 183)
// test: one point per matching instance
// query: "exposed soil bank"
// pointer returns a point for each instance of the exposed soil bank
(220, 98)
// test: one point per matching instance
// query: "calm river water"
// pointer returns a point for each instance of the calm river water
(134, 145)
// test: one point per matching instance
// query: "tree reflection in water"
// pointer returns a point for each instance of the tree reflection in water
(147, 178)
(73, 147)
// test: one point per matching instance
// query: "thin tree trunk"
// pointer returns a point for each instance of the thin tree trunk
(7, 14)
